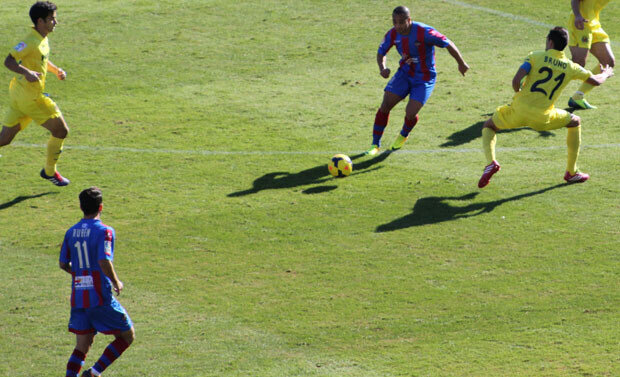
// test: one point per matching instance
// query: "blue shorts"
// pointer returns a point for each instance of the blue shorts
(403, 85)
(107, 319)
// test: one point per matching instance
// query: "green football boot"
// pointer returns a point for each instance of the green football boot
(398, 143)
(374, 149)
(580, 104)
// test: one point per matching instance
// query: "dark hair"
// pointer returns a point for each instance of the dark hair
(41, 9)
(401, 11)
(90, 200)
(559, 36)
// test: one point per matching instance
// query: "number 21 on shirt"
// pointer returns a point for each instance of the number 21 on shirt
(549, 74)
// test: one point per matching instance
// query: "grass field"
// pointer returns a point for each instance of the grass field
(208, 124)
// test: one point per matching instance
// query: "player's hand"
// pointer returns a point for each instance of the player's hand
(463, 68)
(580, 21)
(32, 76)
(609, 71)
(61, 74)
(118, 287)
(385, 73)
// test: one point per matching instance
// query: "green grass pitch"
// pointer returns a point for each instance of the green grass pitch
(209, 124)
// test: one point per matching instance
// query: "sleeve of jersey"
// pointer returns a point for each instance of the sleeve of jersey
(435, 38)
(580, 73)
(527, 64)
(106, 247)
(20, 50)
(387, 43)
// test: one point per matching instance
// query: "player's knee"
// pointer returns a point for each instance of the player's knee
(61, 132)
(129, 336)
(385, 108)
(489, 124)
(411, 112)
(575, 121)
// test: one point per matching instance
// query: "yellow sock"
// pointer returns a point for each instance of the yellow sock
(54, 148)
(585, 87)
(488, 143)
(573, 141)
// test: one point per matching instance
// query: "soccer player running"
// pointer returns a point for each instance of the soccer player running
(87, 253)
(29, 59)
(587, 34)
(416, 74)
(546, 74)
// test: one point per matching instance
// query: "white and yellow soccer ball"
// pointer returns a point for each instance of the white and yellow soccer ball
(340, 166)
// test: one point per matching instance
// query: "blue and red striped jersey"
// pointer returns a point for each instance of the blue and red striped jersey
(419, 45)
(85, 244)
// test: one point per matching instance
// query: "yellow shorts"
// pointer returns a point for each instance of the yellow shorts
(586, 38)
(506, 117)
(23, 109)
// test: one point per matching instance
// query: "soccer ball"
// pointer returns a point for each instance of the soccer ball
(340, 166)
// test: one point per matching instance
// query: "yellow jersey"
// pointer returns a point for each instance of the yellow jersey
(549, 73)
(33, 53)
(590, 10)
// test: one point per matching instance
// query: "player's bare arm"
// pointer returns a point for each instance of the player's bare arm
(579, 20)
(108, 269)
(516, 80)
(13, 65)
(596, 80)
(65, 267)
(383, 70)
(456, 54)
(59, 72)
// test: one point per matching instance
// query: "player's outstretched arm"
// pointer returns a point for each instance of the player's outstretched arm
(14, 66)
(108, 269)
(456, 54)
(59, 72)
(383, 70)
(596, 80)
(516, 80)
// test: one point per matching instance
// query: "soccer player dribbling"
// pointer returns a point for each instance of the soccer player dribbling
(587, 35)
(29, 59)
(416, 75)
(546, 74)
(87, 253)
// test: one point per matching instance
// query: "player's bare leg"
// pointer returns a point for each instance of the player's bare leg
(411, 118)
(579, 55)
(603, 53)
(573, 142)
(59, 131)
(128, 335)
(389, 101)
(489, 138)
(8, 134)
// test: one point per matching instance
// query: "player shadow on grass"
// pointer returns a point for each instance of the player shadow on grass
(22, 198)
(435, 209)
(316, 175)
(474, 131)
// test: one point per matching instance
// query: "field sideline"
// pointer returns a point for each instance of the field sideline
(209, 124)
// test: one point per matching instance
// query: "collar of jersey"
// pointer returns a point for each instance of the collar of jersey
(556, 54)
